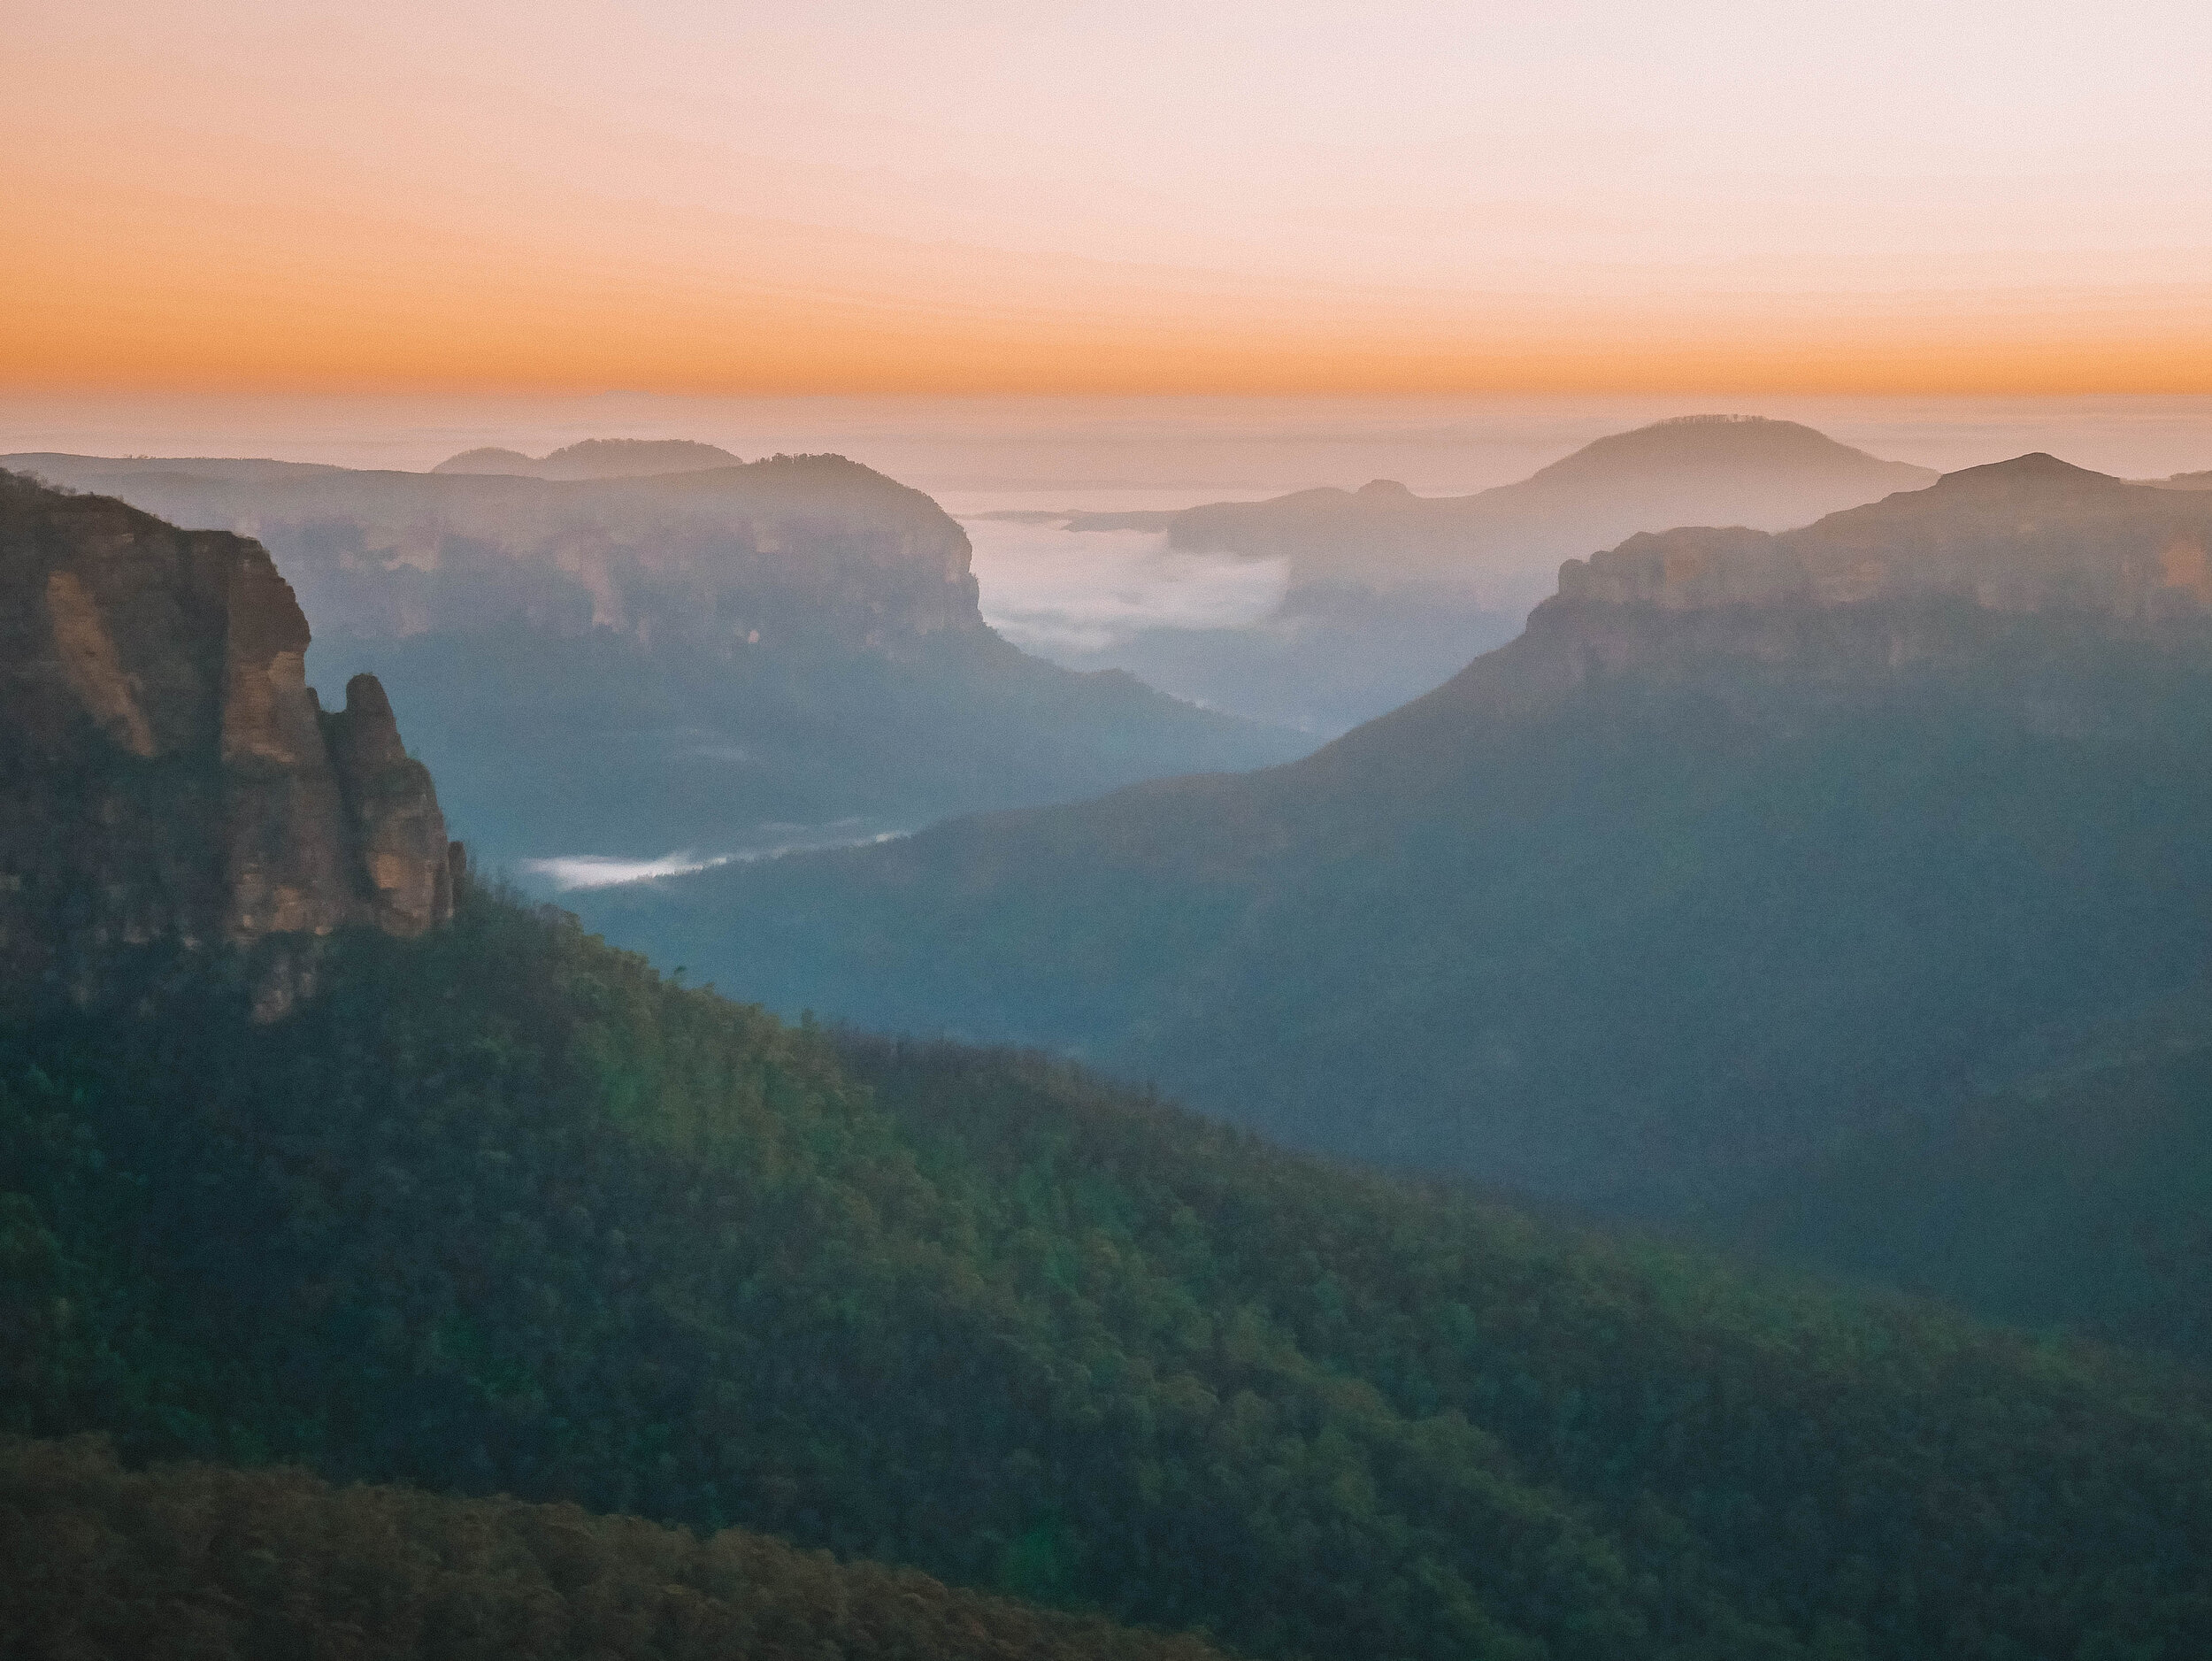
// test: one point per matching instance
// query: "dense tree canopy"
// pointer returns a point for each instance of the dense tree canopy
(501, 1210)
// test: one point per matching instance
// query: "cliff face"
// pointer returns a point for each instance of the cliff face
(792, 551)
(1945, 579)
(2028, 535)
(167, 776)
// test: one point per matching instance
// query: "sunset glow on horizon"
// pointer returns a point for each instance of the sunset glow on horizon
(987, 197)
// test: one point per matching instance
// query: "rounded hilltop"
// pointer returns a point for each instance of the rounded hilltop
(1706, 442)
(596, 458)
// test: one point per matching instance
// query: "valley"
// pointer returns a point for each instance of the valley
(1153, 833)
(1749, 844)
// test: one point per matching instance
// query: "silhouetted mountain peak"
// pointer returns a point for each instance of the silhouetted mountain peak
(492, 459)
(2037, 469)
(1505, 543)
(1697, 442)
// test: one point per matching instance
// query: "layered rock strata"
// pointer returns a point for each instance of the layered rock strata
(167, 776)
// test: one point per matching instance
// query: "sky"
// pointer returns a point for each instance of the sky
(974, 197)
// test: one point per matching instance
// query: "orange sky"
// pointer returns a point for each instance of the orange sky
(993, 196)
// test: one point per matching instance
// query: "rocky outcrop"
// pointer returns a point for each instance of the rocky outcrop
(1985, 563)
(168, 780)
(398, 833)
(2034, 534)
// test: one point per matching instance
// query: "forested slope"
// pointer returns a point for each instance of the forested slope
(498, 1210)
(203, 1561)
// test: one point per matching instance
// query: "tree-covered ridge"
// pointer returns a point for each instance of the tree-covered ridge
(501, 1210)
(198, 1561)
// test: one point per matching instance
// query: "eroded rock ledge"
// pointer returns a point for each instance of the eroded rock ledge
(167, 776)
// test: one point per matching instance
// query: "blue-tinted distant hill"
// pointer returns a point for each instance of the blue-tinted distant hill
(1390, 594)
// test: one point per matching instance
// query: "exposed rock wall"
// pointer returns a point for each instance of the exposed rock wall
(398, 833)
(2055, 595)
(2029, 536)
(790, 551)
(167, 776)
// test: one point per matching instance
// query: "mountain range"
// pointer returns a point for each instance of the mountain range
(1389, 594)
(727, 658)
(609, 1317)
(1750, 845)
(1691, 470)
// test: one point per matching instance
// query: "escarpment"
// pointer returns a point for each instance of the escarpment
(2011, 580)
(798, 551)
(167, 776)
(2028, 536)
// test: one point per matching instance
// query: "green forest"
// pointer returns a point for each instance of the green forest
(503, 1211)
(203, 1560)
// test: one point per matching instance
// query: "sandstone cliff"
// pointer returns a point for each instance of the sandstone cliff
(2031, 534)
(167, 776)
(2025, 560)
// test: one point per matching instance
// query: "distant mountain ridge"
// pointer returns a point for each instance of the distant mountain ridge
(385, 554)
(596, 458)
(1390, 593)
(721, 659)
(1720, 470)
(1747, 842)
(2057, 549)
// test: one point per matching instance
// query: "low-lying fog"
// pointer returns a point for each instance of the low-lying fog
(569, 873)
(1069, 597)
